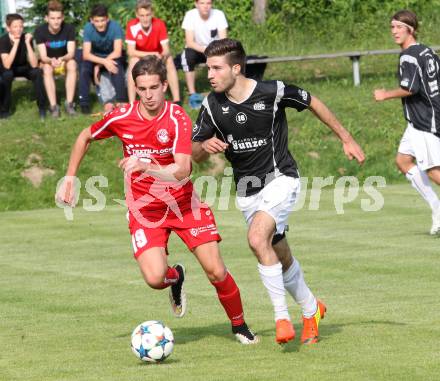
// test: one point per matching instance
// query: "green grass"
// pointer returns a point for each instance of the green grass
(71, 293)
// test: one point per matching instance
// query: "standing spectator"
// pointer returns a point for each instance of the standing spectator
(147, 35)
(56, 46)
(202, 25)
(102, 47)
(18, 59)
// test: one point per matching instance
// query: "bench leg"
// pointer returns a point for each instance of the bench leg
(356, 70)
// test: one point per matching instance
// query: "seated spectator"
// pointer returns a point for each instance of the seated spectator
(202, 25)
(56, 45)
(147, 35)
(18, 59)
(102, 51)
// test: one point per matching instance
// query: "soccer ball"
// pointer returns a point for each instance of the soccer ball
(152, 341)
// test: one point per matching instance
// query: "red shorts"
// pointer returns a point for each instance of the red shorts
(152, 229)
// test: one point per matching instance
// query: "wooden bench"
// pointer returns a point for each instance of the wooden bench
(354, 56)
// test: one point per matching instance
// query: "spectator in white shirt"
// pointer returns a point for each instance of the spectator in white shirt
(202, 25)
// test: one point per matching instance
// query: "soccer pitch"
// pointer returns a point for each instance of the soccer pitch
(70, 295)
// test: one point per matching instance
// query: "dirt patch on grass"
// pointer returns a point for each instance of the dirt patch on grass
(35, 172)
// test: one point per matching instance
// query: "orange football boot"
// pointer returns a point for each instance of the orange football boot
(310, 325)
(284, 331)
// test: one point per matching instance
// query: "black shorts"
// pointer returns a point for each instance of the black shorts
(190, 58)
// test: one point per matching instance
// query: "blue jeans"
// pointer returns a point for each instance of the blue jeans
(86, 76)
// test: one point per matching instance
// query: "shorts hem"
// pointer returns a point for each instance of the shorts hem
(192, 247)
(142, 251)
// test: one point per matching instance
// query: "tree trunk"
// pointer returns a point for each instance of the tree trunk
(259, 14)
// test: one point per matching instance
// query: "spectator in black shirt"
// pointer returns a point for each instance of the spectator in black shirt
(18, 60)
(56, 46)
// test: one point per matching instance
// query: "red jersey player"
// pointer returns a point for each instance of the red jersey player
(156, 138)
(147, 35)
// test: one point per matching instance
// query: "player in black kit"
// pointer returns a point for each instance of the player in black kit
(419, 149)
(246, 120)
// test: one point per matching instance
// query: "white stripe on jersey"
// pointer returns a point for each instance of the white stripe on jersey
(159, 118)
(196, 127)
(206, 104)
(280, 93)
(106, 124)
(296, 100)
(411, 60)
(176, 125)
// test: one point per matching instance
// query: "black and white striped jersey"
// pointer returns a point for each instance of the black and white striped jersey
(255, 131)
(419, 74)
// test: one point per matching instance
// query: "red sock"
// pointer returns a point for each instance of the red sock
(171, 277)
(229, 296)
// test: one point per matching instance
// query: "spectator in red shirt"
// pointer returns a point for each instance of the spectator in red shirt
(147, 35)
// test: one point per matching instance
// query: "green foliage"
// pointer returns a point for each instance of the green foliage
(358, 18)
(75, 11)
(327, 21)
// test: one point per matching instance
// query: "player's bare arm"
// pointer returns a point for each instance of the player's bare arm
(383, 95)
(179, 170)
(198, 153)
(351, 147)
(66, 191)
(202, 150)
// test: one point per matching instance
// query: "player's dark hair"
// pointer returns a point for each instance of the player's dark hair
(11, 17)
(54, 6)
(99, 10)
(408, 18)
(231, 49)
(150, 65)
(144, 4)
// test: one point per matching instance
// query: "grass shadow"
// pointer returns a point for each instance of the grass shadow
(185, 335)
(325, 330)
(164, 363)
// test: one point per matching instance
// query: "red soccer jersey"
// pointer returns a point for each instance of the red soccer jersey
(158, 140)
(150, 41)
